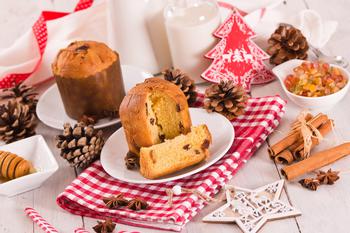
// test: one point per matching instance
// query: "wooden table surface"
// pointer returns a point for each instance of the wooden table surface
(324, 211)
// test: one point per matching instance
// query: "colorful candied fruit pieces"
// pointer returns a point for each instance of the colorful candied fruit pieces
(314, 79)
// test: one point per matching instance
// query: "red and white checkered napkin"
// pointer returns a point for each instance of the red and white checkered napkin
(84, 196)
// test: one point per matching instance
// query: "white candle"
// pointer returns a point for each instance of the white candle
(190, 25)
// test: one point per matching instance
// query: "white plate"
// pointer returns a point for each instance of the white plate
(115, 149)
(38, 153)
(50, 108)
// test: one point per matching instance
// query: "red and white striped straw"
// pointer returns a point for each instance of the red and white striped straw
(48, 228)
(81, 230)
(128, 232)
(40, 221)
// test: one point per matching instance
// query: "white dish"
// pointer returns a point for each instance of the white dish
(323, 102)
(50, 109)
(35, 150)
(115, 149)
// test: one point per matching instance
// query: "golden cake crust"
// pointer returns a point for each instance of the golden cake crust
(82, 59)
(134, 116)
(89, 78)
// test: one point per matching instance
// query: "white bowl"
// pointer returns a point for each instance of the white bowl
(35, 150)
(323, 102)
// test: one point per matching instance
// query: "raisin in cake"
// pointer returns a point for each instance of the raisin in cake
(175, 154)
(152, 112)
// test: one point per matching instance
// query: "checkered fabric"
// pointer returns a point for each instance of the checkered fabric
(84, 196)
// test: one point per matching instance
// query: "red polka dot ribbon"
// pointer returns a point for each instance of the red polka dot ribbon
(40, 32)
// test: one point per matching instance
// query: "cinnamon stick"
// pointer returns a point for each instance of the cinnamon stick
(294, 136)
(296, 144)
(316, 161)
(285, 157)
(324, 129)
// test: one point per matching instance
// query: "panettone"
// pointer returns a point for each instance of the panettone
(152, 112)
(89, 78)
(175, 154)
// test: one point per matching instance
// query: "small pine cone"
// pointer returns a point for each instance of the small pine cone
(80, 145)
(23, 94)
(226, 98)
(132, 161)
(16, 121)
(287, 43)
(184, 82)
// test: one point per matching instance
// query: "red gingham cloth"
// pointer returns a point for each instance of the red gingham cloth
(84, 195)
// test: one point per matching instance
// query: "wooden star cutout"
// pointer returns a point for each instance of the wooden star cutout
(251, 209)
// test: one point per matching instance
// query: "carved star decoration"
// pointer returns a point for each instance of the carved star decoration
(251, 209)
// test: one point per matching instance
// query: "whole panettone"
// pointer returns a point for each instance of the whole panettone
(152, 112)
(89, 78)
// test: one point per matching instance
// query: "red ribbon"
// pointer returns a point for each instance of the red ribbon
(40, 32)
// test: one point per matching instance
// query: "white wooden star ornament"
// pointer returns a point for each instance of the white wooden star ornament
(251, 209)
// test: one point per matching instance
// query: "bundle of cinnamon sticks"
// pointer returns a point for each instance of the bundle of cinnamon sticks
(306, 133)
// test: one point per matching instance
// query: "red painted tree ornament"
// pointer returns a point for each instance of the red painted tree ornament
(236, 57)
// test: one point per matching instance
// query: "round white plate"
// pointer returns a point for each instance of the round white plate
(50, 108)
(115, 149)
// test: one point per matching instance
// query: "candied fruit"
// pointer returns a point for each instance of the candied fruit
(314, 79)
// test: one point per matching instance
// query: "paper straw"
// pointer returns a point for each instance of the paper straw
(40, 221)
(81, 230)
(128, 232)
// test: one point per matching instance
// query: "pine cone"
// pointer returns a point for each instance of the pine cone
(184, 82)
(23, 94)
(226, 98)
(287, 43)
(132, 161)
(80, 145)
(16, 121)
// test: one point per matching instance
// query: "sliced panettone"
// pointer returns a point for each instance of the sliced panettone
(152, 112)
(173, 155)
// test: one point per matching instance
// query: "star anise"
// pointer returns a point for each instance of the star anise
(114, 202)
(329, 177)
(310, 183)
(104, 227)
(137, 204)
